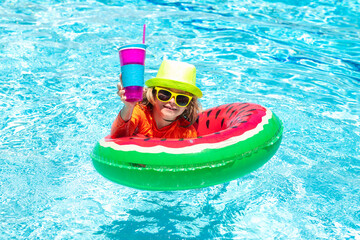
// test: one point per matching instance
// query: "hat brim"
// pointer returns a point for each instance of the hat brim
(168, 83)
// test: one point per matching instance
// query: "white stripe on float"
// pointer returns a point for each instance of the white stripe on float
(194, 148)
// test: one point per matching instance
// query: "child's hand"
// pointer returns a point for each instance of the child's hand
(128, 108)
(121, 90)
(121, 93)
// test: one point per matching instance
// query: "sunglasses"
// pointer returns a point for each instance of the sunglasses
(164, 95)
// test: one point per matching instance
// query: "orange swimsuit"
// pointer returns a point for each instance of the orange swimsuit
(142, 123)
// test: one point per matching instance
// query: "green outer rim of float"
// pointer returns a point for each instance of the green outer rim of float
(189, 170)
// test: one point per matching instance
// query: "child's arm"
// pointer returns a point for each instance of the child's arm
(120, 126)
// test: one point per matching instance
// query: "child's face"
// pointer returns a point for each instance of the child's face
(169, 110)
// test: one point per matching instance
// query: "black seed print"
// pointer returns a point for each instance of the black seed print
(243, 107)
(239, 120)
(239, 113)
(180, 139)
(147, 139)
(222, 122)
(234, 126)
(207, 123)
(163, 139)
(216, 133)
(232, 113)
(197, 120)
(217, 114)
(209, 112)
(228, 105)
(237, 123)
(229, 109)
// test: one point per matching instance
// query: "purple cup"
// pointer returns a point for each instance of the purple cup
(134, 93)
(132, 56)
(132, 61)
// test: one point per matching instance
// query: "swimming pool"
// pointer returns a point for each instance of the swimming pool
(59, 68)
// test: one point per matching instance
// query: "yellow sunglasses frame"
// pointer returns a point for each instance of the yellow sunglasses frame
(173, 95)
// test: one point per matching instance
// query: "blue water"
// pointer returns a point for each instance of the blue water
(59, 68)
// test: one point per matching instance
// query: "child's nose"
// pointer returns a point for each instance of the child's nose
(172, 100)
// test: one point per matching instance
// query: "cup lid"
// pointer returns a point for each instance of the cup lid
(135, 45)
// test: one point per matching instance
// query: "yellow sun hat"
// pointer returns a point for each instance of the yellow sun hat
(176, 75)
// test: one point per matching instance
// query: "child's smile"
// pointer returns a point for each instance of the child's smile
(168, 106)
(170, 111)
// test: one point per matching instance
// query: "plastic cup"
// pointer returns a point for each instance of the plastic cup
(132, 61)
(133, 81)
(132, 54)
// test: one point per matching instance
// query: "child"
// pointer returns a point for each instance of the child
(169, 107)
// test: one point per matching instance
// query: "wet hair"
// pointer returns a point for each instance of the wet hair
(190, 114)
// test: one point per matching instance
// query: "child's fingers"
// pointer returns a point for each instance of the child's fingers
(121, 93)
(119, 86)
(123, 98)
(120, 77)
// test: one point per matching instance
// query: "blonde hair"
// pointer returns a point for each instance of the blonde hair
(190, 114)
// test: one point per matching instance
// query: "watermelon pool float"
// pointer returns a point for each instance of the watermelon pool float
(233, 140)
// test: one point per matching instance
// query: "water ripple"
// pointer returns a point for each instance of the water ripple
(59, 69)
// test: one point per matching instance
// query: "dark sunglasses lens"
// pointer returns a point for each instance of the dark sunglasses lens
(182, 100)
(164, 95)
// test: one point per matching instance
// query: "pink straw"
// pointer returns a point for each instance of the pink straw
(144, 34)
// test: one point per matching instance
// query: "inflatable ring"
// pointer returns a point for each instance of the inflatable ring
(234, 140)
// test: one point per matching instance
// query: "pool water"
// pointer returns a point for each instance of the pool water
(59, 68)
